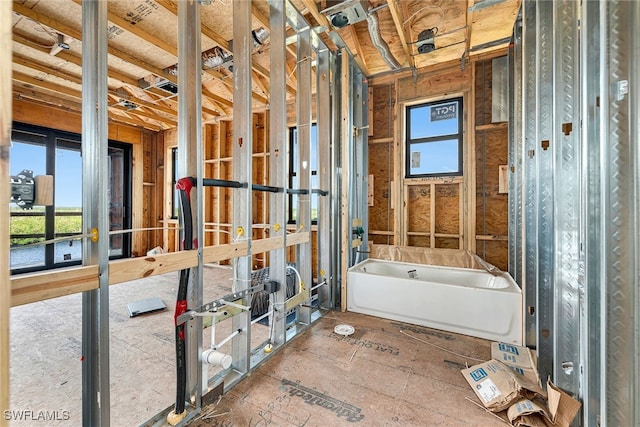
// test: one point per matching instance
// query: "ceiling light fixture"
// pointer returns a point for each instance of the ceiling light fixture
(426, 43)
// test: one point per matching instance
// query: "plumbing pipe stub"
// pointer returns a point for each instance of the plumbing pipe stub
(344, 329)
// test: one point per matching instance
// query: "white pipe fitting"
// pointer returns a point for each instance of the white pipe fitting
(216, 358)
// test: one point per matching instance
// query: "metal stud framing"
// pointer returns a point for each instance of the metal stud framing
(592, 213)
(579, 196)
(242, 172)
(515, 154)
(621, 191)
(303, 114)
(323, 89)
(95, 304)
(278, 157)
(543, 161)
(190, 164)
(567, 167)
(529, 198)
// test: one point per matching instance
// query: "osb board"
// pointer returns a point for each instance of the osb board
(447, 208)
(419, 208)
(495, 252)
(449, 20)
(382, 105)
(483, 89)
(491, 205)
(422, 241)
(435, 84)
(447, 243)
(381, 167)
(493, 22)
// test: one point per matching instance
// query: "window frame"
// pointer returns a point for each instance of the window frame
(459, 136)
(51, 139)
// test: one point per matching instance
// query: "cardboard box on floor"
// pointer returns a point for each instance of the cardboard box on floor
(511, 381)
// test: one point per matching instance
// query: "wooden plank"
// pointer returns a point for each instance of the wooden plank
(268, 244)
(44, 190)
(225, 252)
(492, 237)
(345, 247)
(380, 140)
(6, 17)
(470, 173)
(503, 184)
(432, 229)
(125, 270)
(297, 238)
(30, 288)
(73, 59)
(493, 126)
(397, 184)
(397, 21)
(381, 232)
(56, 117)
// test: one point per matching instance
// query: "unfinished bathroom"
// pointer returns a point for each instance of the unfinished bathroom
(320, 213)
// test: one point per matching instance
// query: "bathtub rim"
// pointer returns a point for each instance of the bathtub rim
(512, 287)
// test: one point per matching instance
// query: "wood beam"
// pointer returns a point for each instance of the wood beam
(71, 58)
(21, 77)
(397, 21)
(33, 95)
(359, 56)
(45, 68)
(5, 194)
(30, 288)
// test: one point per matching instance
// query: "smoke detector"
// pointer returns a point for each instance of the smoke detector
(346, 12)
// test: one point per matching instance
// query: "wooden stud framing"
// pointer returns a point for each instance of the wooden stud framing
(397, 184)
(5, 144)
(470, 172)
(345, 243)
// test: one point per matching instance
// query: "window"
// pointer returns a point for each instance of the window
(49, 152)
(434, 139)
(293, 173)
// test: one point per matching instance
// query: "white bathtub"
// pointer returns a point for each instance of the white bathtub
(459, 300)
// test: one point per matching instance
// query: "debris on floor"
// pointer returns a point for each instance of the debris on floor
(509, 384)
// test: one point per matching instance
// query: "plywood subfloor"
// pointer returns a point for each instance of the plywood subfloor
(376, 377)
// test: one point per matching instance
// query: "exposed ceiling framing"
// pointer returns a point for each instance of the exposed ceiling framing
(47, 61)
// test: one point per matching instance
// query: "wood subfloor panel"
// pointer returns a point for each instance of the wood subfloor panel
(378, 376)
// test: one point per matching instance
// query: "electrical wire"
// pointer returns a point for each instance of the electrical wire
(433, 6)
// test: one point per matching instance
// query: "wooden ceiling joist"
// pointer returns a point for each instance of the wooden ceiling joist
(397, 21)
(73, 59)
